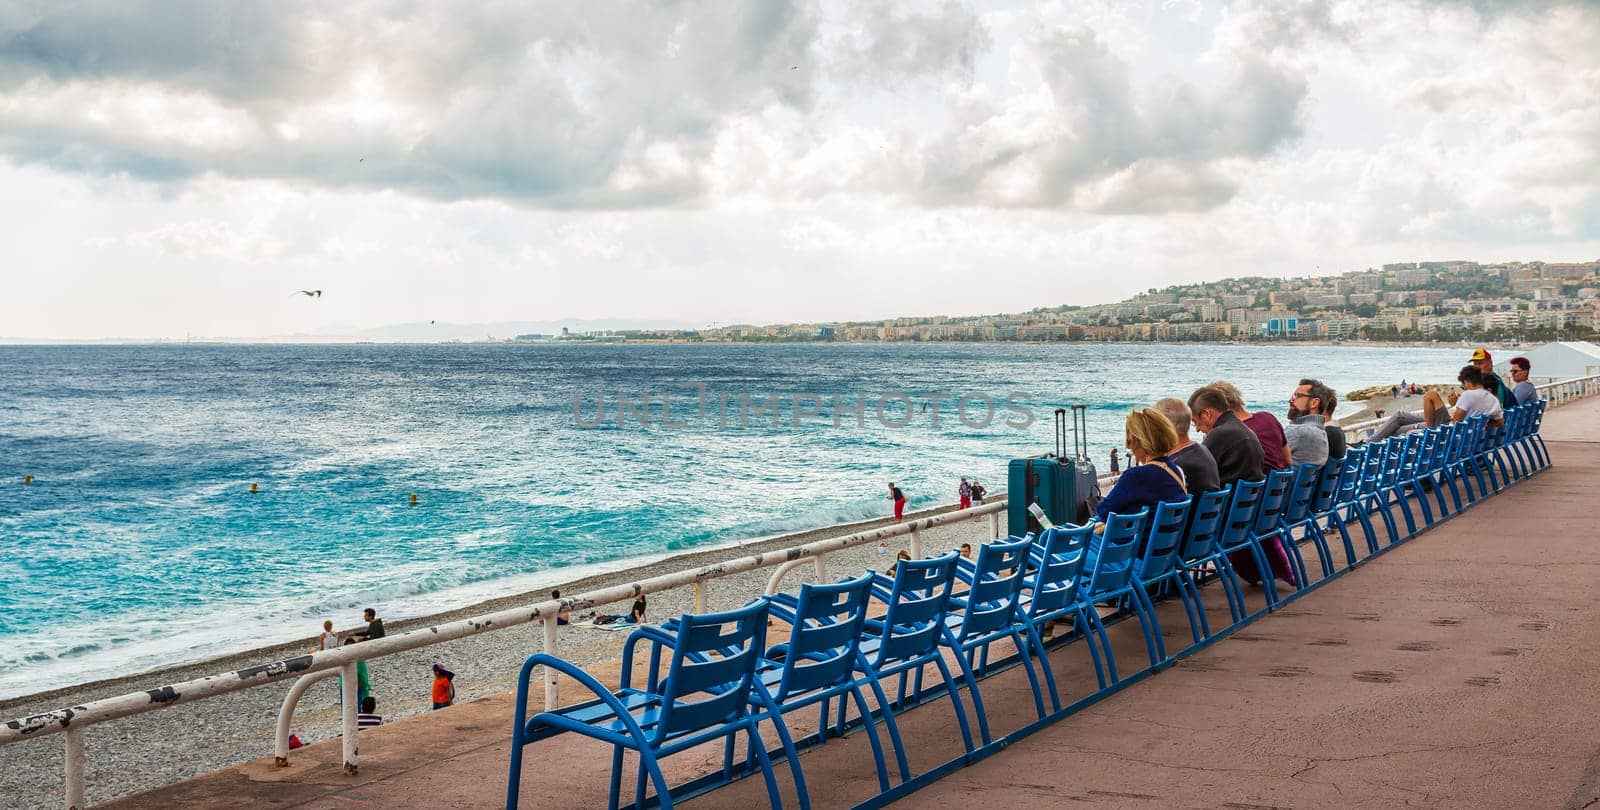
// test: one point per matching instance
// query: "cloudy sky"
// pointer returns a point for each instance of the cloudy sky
(182, 166)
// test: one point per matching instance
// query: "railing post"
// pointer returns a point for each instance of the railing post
(916, 543)
(994, 525)
(700, 596)
(820, 562)
(552, 697)
(75, 767)
(280, 738)
(349, 694)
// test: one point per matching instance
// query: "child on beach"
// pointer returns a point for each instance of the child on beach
(444, 686)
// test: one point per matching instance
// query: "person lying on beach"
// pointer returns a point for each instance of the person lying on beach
(635, 616)
(564, 617)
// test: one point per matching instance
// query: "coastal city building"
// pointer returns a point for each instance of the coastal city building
(1431, 300)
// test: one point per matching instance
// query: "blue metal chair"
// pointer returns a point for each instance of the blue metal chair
(1202, 548)
(1265, 528)
(706, 696)
(1392, 491)
(1108, 577)
(1296, 512)
(1052, 593)
(906, 640)
(1161, 566)
(1536, 439)
(820, 662)
(1341, 510)
(987, 613)
(1237, 539)
(1309, 495)
(1370, 495)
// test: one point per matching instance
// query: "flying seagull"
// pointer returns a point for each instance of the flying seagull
(307, 293)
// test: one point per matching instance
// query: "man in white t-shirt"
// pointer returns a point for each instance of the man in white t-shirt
(1474, 399)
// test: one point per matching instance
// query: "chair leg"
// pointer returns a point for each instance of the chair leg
(872, 737)
(1154, 645)
(1035, 639)
(787, 743)
(1024, 652)
(961, 710)
(766, 770)
(1185, 580)
(972, 689)
(892, 726)
(616, 778)
(1105, 644)
(1086, 629)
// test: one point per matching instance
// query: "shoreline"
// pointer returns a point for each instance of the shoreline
(599, 575)
(143, 752)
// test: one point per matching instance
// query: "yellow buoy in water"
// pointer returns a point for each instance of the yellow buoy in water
(253, 487)
(27, 479)
(413, 499)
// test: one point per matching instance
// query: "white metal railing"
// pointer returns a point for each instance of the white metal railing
(72, 721)
(1555, 393)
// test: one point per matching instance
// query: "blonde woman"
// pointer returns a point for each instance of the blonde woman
(1152, 478)
(327, 641)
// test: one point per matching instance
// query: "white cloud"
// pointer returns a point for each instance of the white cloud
(169, 168)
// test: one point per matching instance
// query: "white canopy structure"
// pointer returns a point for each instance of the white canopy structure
(1561, 360)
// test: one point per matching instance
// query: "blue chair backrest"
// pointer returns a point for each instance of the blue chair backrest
(1327, 488)
(1273, 499)
(1302, 489)
(1241, 514)
(826, 635)
(1058, 556)
(1477, 427)
(1119, 547)
(1355, 460)
(715, 653)
(1372, 466)
(1205, 523)
(997, 580)
(1165, 538)
(917, 606)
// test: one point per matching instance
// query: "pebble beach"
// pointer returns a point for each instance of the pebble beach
(139, 753)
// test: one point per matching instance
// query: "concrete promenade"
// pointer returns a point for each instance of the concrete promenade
(1453, 671)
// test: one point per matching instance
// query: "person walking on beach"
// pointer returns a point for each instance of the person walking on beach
(978, 492)
(965, 491)
(899, 499)
(328, 640)
(444, 686)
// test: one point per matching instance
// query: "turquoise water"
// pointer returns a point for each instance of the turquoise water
(139, 542)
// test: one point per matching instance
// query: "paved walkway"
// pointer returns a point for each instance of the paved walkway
(1452, 671)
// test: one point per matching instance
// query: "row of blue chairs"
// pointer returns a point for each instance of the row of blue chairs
(712, 677)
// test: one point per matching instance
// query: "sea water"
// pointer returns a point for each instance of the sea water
(140, 543)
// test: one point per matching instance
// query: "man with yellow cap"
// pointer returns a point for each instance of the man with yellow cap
(1491, 381)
